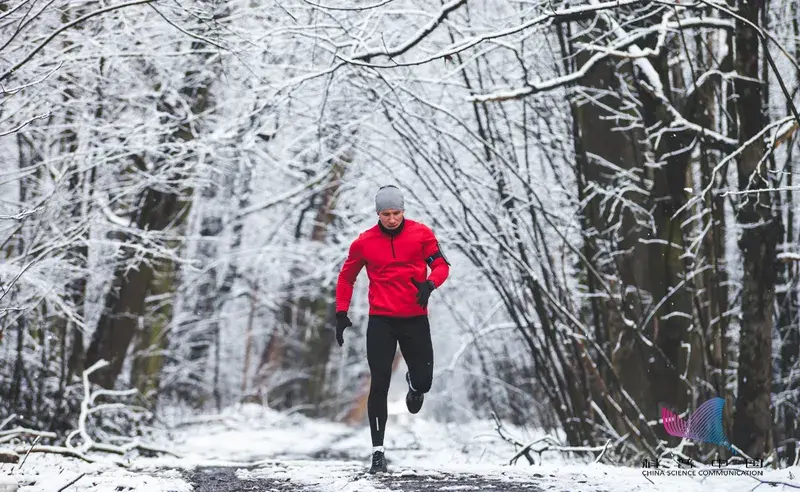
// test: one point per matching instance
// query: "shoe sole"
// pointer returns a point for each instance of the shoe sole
(412, 406)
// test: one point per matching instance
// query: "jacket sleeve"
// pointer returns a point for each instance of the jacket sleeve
(347, 276)
(434, 257)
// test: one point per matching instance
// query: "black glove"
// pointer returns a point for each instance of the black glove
(425, 288)
(342, 322)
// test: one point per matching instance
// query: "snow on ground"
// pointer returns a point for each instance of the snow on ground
(349, 477)
(571, 478)
(327, 456)
(49, 473)
(252, 432)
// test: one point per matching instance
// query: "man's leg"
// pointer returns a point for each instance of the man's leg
(381, 347)
(415, 344)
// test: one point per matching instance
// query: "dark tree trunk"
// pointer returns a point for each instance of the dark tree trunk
(300, 345)
(761, 230)
(788, 304)
(125, 302)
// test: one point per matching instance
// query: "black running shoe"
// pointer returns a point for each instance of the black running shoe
(413, 398)
(378, 462)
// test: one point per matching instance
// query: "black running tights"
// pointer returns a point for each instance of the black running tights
(383, 335)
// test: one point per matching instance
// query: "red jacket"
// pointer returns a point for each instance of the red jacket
(391, 261)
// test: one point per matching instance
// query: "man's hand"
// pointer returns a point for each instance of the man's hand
(425, 288)
(342, 322)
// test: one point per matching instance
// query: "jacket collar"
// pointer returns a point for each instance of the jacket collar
(392, 232)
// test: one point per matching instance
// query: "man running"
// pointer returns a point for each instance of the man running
(397, 253)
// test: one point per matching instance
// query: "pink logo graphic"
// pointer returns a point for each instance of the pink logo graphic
(704, 425)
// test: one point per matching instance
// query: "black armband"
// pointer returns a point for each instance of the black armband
(438, 254)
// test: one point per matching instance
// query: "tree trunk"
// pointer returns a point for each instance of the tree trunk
(788, 302)
(80, 186)
(300, 345)
(673, 319)
(152, 338)
(125, 302)
(761, 230)
(18, 395)
(248, 339)
(712, 286)
(600, 143)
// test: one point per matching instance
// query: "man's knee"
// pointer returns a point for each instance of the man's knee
(379, 384)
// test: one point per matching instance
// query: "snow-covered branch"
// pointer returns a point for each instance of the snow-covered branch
(563, 15)
(650, 82)
(547, 443)
(88, 407)
(415, 39)
(728, 158)
(63, 28)
(23, 125)
(349, 8)
(623, 40)
(309, 186)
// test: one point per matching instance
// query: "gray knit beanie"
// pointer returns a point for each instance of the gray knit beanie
(389, 197)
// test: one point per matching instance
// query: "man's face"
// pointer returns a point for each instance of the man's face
(391, 218)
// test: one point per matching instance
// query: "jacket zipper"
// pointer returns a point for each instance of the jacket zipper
(391, 238)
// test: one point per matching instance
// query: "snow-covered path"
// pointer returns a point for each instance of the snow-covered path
(346, 476)
(255, 449)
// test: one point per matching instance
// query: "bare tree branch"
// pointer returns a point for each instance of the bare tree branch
(446, 9)
(63, 28)
(351, 8)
